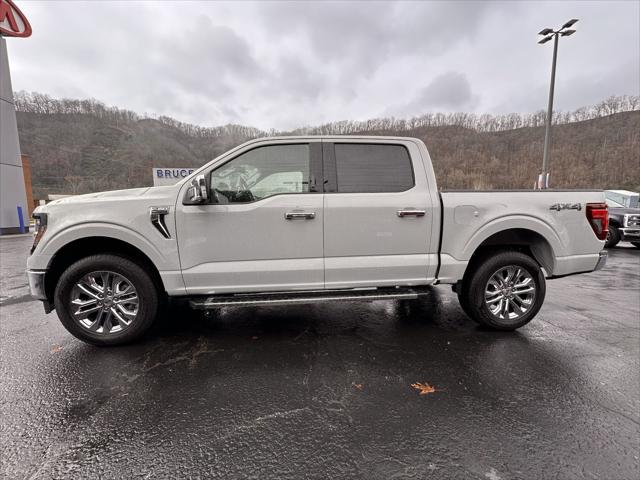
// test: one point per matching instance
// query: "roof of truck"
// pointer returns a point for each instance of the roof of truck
(338, 137)
(623, 192)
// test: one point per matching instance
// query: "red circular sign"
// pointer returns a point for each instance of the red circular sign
(13, 23)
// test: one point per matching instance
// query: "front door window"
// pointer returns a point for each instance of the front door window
(261, 173)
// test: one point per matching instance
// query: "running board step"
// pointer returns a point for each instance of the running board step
(292, 298)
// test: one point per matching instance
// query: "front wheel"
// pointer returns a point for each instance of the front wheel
(636, 244)
(106, 300)
(504, 291)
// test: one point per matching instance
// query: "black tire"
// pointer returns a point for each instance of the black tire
(636, 244)
(147, 296)
(472, 294)
(613, 237)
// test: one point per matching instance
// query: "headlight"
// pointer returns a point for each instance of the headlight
(41, 227)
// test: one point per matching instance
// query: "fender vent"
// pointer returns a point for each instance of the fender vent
(156, 215)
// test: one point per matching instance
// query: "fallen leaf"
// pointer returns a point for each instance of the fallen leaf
(56, 349)
(424, 388)
(358, 385)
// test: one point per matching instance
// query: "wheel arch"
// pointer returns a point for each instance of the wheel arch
(615, 222)
(86, 246)
(525, 240)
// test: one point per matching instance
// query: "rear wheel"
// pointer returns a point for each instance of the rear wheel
(106, 300)
(504, 291)
(613, 237)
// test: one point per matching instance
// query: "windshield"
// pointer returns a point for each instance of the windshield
(612, 204)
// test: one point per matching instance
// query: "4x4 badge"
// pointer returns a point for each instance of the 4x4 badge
(565, 206)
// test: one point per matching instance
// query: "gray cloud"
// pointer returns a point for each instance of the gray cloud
(207, 58)
(298, 81)
(358, 38)
(287, 64)
(448, 91)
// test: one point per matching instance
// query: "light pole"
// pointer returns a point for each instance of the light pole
(549, 33)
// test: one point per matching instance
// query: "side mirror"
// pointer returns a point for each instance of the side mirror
(197, 191)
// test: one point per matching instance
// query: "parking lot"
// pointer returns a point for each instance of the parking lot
(326, 391)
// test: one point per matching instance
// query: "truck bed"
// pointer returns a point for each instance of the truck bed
(556, 218)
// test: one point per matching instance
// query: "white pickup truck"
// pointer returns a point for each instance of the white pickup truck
(307, 219)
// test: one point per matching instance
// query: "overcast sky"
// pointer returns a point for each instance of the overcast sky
(285, 65)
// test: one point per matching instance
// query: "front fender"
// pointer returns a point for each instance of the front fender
(165, 257)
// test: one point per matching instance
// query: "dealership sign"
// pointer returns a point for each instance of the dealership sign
(169, 176)
(13, 23)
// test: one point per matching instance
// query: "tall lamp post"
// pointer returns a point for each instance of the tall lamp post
(550, 33)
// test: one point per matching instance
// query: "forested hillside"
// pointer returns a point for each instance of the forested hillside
(79, 146)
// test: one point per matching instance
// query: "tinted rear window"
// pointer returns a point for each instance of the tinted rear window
(364, 168)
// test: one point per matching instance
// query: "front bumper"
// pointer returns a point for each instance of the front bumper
(629, 234)
(36, 284)
(602, 261)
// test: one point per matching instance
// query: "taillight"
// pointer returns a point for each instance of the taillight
(598, 216)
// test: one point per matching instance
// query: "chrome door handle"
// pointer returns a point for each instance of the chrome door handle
(411, 213)
(300, 215)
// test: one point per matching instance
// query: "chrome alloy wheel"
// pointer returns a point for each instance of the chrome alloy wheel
(510, 292)
(104, 302)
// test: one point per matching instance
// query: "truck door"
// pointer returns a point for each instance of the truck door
(378, 215)
(262, 230)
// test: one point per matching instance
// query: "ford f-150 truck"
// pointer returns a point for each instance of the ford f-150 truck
(307, 219)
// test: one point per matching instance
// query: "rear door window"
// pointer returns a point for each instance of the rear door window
(370, 168)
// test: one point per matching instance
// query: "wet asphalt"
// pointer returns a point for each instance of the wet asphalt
(325, 391)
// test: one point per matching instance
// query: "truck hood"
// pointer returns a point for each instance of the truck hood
(128, 194)
(102, 205)
(623, 211)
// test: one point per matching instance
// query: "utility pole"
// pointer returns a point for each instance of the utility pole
(549, 33)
